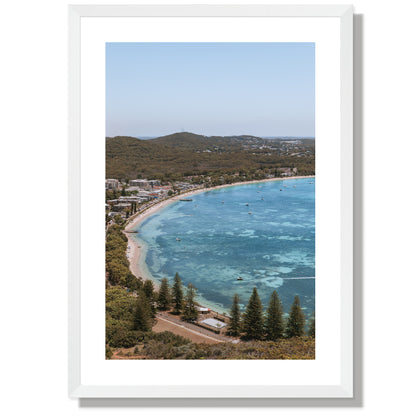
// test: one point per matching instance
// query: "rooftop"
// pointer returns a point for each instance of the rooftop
(214, 323)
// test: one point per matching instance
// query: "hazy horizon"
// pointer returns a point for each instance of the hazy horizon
(270, 136)
(212, 89)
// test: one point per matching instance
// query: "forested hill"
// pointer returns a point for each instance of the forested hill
(186, 154)
(197, 142)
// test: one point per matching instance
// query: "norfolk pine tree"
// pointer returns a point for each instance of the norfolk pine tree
(235, 319)
(177, 294)
(148, 290)
(274, 321)
(190, 313)
(142, 314)
(253, 317)
(163, 301)
(296, 322)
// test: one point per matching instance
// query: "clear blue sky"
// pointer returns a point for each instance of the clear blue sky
(263, 89)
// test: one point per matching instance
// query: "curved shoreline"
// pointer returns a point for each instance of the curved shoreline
(137, 252)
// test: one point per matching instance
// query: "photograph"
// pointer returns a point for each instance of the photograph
(210, 200)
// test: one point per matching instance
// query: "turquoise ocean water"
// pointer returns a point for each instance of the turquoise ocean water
(262, 232)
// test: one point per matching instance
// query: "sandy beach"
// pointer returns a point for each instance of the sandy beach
(137, 251)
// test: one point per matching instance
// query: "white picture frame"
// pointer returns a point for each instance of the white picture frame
(341, 386)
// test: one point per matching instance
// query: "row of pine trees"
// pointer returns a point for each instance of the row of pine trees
(254, 324)
(183, 304)
(148, 301)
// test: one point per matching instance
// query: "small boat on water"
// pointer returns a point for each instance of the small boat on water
(178, 239)
(247, 204)
(250, 212)
(239, 278)
(185, 199)
(281, 189)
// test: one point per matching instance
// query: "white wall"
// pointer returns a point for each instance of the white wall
(33, 146)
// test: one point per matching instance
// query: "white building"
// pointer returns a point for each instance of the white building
(214, 323)
(140, 183)
(144, 183)
(154, 182)
(132, 198)
(144, 195)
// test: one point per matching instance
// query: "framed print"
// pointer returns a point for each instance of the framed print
(219, 141)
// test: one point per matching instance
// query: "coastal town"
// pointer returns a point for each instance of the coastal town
(139, 194)
(125, 197)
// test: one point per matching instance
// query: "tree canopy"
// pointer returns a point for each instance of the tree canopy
(148, 290)
(177, 293)
(185, 154)
(190, 313)
(296, 322)
(253, 317)
(143, 313)
(235, 318)
(274, 325)
(164, 298)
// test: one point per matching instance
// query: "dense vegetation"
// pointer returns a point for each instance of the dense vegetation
(166, 345)
(116, 263)
(180, 155)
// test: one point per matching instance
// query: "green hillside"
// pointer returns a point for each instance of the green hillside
(186, 154)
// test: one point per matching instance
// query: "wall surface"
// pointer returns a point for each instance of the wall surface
(34, 250)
